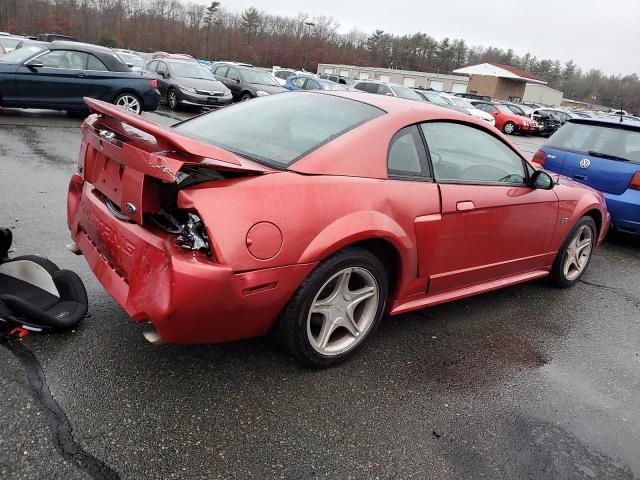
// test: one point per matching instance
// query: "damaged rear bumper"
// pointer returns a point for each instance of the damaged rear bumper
(187, 297)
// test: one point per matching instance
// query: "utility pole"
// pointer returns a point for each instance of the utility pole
(306, 51)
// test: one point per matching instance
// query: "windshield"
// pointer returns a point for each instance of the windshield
(191, 70)
(329, 85)
(504, 109)
(279, 130)
(584, 138)
(21, 54)
(526, 110)
(436, 99)
(132, 59)
(259, 77)
(405, 92)
(461, 102)
(10, 42)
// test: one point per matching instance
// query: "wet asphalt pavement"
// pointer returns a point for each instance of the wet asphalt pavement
(528, 382)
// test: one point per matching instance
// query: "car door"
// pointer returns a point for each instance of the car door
(162, 75)
(297, 83)
(57, 79)
(102, 79)
(493, 224)
(311, 84)
(234, 82)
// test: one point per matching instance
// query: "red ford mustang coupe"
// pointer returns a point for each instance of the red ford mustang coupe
(311, 215)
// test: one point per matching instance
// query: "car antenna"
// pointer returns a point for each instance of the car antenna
(621, 100)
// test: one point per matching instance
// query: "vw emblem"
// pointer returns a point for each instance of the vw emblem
(131, 208)
(585, 163)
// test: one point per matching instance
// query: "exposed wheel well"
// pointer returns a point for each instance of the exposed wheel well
(597, 217)
(388, 255)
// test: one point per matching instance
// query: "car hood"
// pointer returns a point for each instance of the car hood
(268, 88)
(476, 112)
(201, 84)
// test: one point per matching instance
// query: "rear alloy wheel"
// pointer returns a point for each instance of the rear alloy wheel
(129, 102)
(574, 256)
(172, 99)
(509, 128)
(335, 309)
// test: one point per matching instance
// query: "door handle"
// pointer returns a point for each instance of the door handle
(580, 177)
(465, 206)
(82, 75)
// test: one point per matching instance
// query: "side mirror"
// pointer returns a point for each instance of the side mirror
(130, 65)
(163, 74)
(33, 64)
(541, 180)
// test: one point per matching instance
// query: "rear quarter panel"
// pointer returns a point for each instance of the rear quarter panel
(317, 216)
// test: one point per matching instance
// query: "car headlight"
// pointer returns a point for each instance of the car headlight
(187, 89)
(262, 93)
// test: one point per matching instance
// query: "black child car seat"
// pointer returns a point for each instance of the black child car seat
(36, 294)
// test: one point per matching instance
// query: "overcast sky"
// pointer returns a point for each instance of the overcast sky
(602, 34)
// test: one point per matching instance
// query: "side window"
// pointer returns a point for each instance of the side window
(465, 154)
(311, 85)
(233, 74)
(222, 71)
(162, 68)
(298, 82)
(66, 59)
(96, 64)
(151, 66)
(407, 157)
(361, 86)
(384, 90)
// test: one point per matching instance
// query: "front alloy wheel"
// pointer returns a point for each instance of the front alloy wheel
(509, 128)
(128, 102)
(172, 99)
(335, 309)
(575, 254)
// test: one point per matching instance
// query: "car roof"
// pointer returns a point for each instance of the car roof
(613, 122)
(370, 159)
(106, 55)
(179, 61)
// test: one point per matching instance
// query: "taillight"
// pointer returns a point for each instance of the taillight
(539, 158)
(635, 181)
(154, 83)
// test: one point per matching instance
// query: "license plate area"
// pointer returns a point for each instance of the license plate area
(133, 192)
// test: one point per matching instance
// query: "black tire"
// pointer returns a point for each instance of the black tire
(557, 270)
(291, 328)
(172, 99)
(510, 128)
(246, 96)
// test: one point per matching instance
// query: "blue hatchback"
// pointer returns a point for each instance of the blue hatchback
(604, 154)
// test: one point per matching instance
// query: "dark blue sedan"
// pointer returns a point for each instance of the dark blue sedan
(307, 82)
(58, 75)
(604, 154)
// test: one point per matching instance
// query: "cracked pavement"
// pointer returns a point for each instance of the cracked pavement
(528, 382)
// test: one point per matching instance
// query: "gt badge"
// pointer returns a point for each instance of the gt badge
(564, 219)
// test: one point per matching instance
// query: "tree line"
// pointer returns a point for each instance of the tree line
(300, 41)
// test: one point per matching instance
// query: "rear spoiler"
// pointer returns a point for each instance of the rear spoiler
(165, 135)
